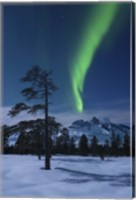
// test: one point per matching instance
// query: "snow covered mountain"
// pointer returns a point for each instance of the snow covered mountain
(101, 129)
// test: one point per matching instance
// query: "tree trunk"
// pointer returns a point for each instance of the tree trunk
(47, 145)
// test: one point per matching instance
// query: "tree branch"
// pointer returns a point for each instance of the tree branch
(17, 109)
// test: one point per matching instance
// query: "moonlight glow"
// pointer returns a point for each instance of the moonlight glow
(97, 26)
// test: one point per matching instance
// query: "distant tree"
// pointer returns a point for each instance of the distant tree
(72, 147)
(32, 132)
(65, 134)
(101, 152)
(118, 145)
(83, 146)
(36, 137)
(113, 144)
(58, 146)
(41, 86)
(94, 146)
(126, 145)
(21, 145)
(118, 140)
(107, 147)
(62, 142)
(66, 139)
(5, 135)
(54, 128)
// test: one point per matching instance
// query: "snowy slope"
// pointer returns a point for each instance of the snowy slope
(70, 177)
(13, 138)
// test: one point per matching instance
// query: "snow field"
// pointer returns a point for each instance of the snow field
(70, 177)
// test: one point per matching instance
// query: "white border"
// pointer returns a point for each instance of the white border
(44, 1)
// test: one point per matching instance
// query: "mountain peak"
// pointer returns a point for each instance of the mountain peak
(106, 120)
(78, 123)
(94, 121)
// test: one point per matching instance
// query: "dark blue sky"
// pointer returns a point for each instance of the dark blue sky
(48, 35)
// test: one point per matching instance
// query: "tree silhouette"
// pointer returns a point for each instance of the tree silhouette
(107, 147)
(62, 142)
(41, 86)
(126, 145)
(83, 145)
(118, 145)
(66, 138)
(5, 135)
(54, 128)
(94, 146)
(72, 147)
(113, 144)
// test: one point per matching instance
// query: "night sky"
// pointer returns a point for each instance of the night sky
(52, 36)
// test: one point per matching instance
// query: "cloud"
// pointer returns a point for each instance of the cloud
(67, 117)
(117, 111)
(116, 116)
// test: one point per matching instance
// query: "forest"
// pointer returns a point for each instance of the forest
(31, 140)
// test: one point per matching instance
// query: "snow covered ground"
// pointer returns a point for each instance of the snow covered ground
(70, 177)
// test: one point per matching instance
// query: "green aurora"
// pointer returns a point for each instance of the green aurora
(96, 28)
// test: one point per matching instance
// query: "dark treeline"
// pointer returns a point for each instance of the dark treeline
(31, 141)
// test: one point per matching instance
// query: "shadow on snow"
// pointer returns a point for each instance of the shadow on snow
(82, 177)
(81, 160)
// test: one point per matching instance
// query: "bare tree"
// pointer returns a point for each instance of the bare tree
(41, 86)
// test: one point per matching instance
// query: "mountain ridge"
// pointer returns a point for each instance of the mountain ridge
(102, 129)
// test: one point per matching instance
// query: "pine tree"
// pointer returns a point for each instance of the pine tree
(116, 149)
(22, 143)
(113, 144)
(83, 146)
(101, 152)
(118, 145)
(107, 147)
(94, 146)
(65, 142)
(58, 146)
(41, 86)
(72, 147)
(126, 145)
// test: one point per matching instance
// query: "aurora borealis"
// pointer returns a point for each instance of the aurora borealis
(97, 26)
(85, 45)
